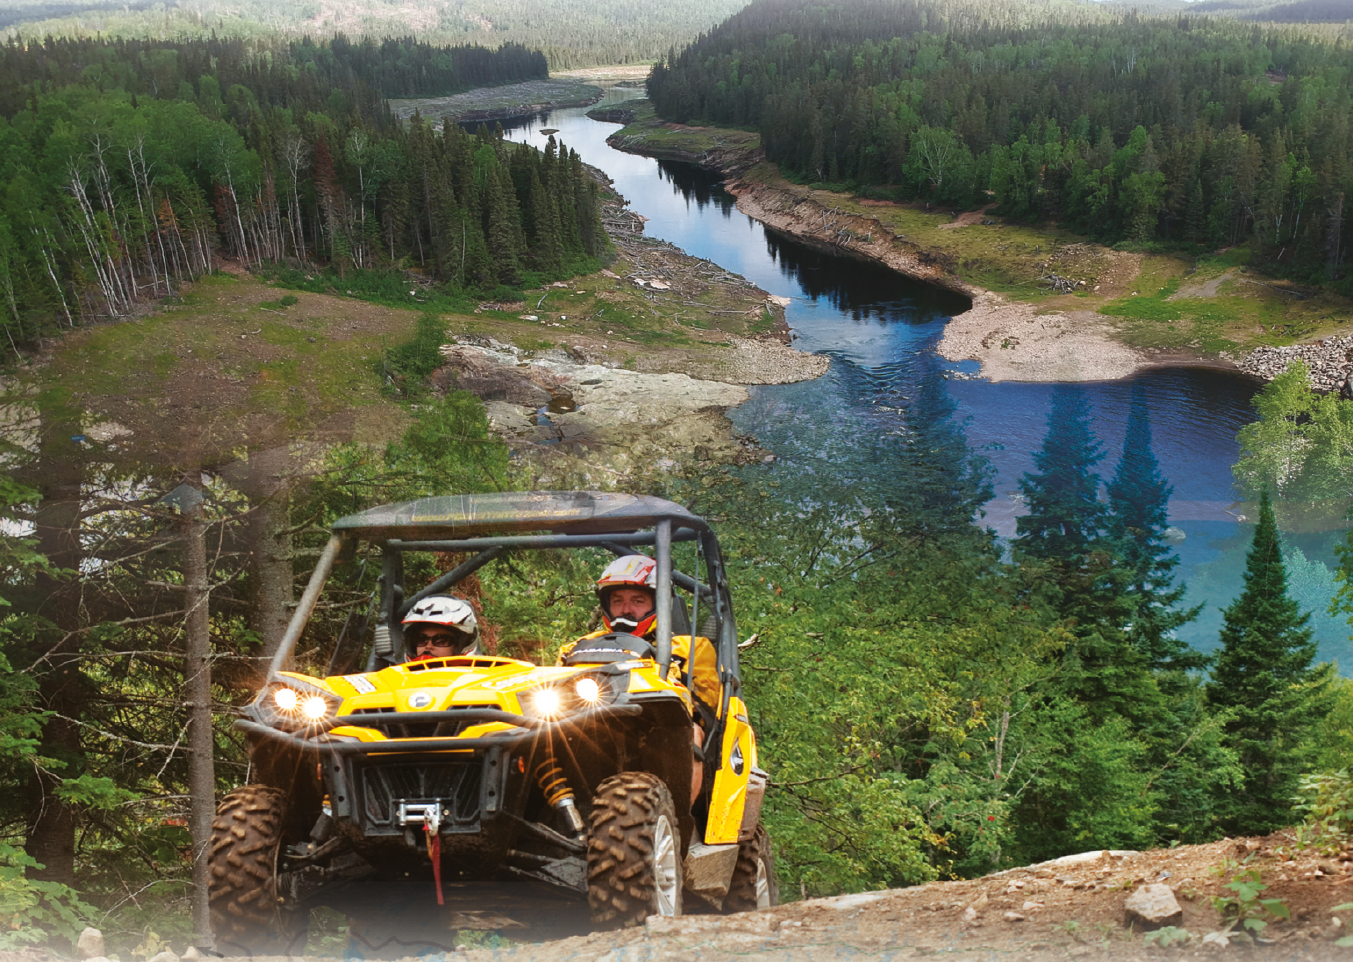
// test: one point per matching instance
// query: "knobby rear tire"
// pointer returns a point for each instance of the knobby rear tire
(754, 885)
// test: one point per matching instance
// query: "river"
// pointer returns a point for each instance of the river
(880, 329)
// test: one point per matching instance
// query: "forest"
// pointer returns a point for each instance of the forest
(570, 33)
(127, 167)
(1182, 132)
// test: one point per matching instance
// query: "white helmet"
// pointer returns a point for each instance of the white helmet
(630, 571)
(446, 612)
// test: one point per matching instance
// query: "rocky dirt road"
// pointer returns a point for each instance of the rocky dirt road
(1073, 909)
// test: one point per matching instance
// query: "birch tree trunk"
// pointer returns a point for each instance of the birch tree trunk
(197, 697)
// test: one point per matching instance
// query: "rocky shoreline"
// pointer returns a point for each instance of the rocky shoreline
(1329, 361)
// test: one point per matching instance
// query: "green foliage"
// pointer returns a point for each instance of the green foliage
(1300, 448)
(1137, 519)
(1343, 599)
(1245, 907)
(407, 366)
(34, 912)
(1167, 937)
(1065, 514)
(117, 181)
(1034, 107)
(1325, 803)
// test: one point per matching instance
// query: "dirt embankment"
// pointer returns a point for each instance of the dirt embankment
(810, 222)
(1013, 341)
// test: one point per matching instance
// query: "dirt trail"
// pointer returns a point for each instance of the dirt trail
(1070, 908)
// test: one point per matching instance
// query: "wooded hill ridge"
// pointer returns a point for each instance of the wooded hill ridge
(571, 33)
(1182, 132)
(127, 165)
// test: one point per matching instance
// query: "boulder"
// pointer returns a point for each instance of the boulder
(1151, 907)
(90, 944)
(1346, 391)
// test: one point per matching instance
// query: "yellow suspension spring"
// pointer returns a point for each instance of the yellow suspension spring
(550, 778)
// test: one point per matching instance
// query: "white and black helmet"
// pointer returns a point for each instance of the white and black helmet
(446, 612)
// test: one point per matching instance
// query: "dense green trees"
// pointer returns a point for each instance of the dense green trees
(1300, 448)
(1181, 129)
(123, 181)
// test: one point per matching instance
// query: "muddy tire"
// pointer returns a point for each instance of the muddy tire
(247, 914)
(753, 886)
(633, 852)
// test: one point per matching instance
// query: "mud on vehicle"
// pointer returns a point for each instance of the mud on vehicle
(480, 787)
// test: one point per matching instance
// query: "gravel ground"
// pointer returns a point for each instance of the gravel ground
(1015, 343)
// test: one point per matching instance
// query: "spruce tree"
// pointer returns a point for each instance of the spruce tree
(1065, 514)
(1263, 675)
(945, 482)
(1137, 519)
(1074, 570)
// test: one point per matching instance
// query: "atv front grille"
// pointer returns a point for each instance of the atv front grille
(385, 785)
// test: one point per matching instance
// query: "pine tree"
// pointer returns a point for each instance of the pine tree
(1137, 519)
(946, 483)
(1065, 514)
(1264, 676)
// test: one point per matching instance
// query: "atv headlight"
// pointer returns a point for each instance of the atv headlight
(570, 695)
(294, 705)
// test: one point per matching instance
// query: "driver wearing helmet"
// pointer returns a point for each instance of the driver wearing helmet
(627, 592)
(440, 626)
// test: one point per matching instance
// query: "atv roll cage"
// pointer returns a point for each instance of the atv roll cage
(489, 525)
(473, 774)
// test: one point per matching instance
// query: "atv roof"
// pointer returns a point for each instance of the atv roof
(466, 515)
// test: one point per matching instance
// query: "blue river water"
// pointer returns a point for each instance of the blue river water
(879, 328)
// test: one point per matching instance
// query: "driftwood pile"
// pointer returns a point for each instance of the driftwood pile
(1061, 285)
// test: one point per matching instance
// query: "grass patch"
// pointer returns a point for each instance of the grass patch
(393, 288)
(648, 134)
(1148, 307)
(533, 344)
(213, 369)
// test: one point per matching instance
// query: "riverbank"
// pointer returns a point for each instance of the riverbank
(1047, 305)
(628, 373)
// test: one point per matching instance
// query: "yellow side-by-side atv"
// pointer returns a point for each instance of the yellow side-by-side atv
(474, 788)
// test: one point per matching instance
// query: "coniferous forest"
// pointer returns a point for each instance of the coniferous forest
(1183, 131)
(127, 167)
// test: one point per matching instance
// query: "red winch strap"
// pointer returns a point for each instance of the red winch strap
(434, 841)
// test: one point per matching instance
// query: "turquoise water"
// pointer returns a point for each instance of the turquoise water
(880, 329)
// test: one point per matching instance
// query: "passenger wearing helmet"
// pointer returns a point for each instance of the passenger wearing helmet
(440, 626)
(627, 592)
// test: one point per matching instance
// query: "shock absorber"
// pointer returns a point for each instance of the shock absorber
(558, 794)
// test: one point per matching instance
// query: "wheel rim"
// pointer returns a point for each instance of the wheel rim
(665, 866)
(762, 885)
